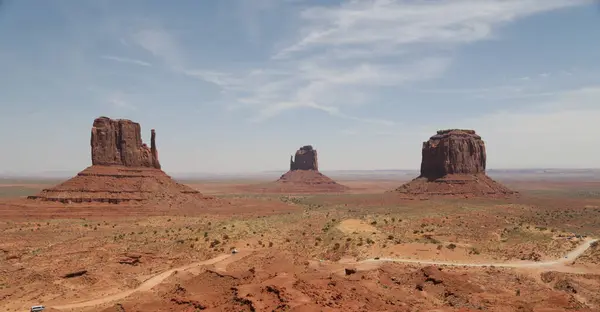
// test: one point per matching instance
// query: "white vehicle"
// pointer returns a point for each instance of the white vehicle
(37, 308)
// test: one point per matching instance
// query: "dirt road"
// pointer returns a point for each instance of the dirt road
(570, 257)
(145, 286)
(223, 260)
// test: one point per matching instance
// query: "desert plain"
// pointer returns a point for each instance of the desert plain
(123, 235)
(307, 252)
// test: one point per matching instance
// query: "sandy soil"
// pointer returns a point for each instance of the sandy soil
(324, 252)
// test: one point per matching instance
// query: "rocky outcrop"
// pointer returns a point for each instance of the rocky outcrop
(305, 159)
(119, 142)
(304, 176)
(124, 170)
(453, 152)
(453, 164)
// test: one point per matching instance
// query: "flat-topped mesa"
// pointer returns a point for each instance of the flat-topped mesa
(453, 164)
(305, 159)
(453, 151)
(119, 142)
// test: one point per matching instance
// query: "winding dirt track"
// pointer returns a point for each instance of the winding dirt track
(145, 286)
(570, 257)
(221, 266)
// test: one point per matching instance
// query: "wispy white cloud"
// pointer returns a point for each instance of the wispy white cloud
(535, 85)
(344, 54)
(161, 44)
(398, 22)
(318, 84)
(126, 60)
(118, 101)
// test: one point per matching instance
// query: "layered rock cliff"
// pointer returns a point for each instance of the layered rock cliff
(453, 152)
(119, 142)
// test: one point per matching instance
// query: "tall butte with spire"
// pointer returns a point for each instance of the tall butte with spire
(304, 175)
(123, 169)
(453, 164)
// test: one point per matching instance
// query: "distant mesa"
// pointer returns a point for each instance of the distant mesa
(124, 169)
(305, 159)
(453, 164)
(304, 175)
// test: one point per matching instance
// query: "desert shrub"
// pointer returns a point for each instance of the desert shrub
(451, 246)
(474, 251)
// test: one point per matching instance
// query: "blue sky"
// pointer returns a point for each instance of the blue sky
(239, 85)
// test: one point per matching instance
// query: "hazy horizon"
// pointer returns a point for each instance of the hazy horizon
(238, 86)
(370, 174)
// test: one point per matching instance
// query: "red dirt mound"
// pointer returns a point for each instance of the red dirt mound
(453, 164)
(473, 185)
(308, 180)
(117, 184)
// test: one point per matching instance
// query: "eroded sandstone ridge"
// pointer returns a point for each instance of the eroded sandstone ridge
(453, 163)
(124, 169)
(304, 175)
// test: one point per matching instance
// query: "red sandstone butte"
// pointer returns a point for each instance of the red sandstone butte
(453, 163)
(304, 175)
(305, 159)
(124, 169)
(119, 142)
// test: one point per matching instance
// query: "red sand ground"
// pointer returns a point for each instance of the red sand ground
(281, 243)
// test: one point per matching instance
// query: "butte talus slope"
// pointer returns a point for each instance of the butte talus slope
(123, 170)
(453, 164)
(304, 175)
